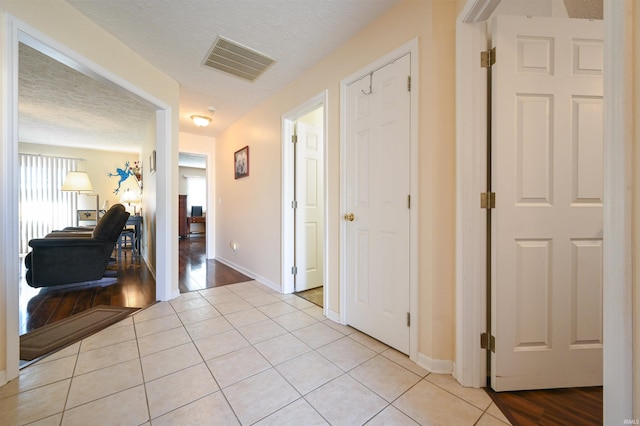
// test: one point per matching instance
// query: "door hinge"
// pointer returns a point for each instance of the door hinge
(409, 83)
(409, 201)
(408, 319)
(294, 204)
(488, 341)
(294, 138)
(294, 270)
(488, 58)
(488, 200)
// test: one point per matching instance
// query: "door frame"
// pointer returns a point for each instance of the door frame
(411, 47)
(288, 178)
(210, 176)
(166, 273)
(470, 368)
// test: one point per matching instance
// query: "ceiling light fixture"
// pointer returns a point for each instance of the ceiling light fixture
(201, 120)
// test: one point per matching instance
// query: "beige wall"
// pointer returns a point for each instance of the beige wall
(249, 212)
(634, 15)
(55, 19)
(149, 205)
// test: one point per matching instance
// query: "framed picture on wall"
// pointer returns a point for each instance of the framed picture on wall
(241, 162)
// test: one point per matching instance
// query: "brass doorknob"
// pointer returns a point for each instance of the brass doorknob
(349, 216)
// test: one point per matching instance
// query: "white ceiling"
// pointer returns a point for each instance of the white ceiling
(59, 106)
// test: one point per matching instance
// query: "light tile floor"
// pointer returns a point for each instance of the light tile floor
(238, 354)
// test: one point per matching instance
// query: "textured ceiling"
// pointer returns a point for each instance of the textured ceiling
(60, 106)
(585, 9)
(175, 36)
(193, 160)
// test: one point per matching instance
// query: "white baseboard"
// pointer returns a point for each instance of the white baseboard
(151, 270)
(333, 316)
(175, 293)
(273, 285)
(436, 366)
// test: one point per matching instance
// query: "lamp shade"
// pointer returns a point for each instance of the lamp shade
(77, 181)
(130, 196)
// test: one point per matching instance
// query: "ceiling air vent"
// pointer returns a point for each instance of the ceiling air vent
(238, 60)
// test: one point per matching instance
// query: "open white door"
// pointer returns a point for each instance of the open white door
(378, 178)
(547, 173)
(309, 228)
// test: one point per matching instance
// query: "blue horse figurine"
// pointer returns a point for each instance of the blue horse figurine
(123, 173)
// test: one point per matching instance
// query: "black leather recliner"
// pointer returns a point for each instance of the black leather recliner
(62, 258)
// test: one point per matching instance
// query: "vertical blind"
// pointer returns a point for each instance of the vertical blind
(43, 206)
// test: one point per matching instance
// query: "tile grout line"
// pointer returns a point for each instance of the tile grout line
(244, 294)
(144, 382)
(206, 366)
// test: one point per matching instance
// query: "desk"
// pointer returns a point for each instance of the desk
(136, 221)
(196, 219)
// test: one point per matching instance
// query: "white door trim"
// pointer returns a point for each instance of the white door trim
(470, 287)
(618, 264)
(210, 218)
(412, 48)
(471, 170)
(288, 244)
(166, 253)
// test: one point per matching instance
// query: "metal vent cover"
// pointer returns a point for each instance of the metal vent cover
(235, 59)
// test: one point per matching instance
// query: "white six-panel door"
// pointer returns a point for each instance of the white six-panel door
(547, 174)
(377, 175)
(309, 231)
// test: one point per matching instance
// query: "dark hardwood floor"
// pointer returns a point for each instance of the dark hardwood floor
(196, 272)
(135, 287)
(575, 406)
(314, 295)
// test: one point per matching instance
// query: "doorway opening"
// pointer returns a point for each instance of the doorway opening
(379, 199)
(472, 234)
(18, 33)
(470, 366)
(193, 185)
(304, 201)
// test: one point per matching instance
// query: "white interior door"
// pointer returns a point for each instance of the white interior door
(547, 225)
(377, 179)
(310, 206)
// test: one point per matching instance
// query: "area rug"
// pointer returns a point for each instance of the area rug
(55, 336)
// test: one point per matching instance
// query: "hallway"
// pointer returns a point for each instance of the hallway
(237, 354)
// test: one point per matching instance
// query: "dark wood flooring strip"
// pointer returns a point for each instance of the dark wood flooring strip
(575, 406)
(135, 288)
(196, 272)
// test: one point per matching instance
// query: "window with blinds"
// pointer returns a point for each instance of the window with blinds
(43, 206)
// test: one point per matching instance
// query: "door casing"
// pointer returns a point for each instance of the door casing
(166, 273)
(288, 237)
(470, 366)
(412, 48)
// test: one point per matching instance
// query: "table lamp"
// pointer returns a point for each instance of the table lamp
(79, 182)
